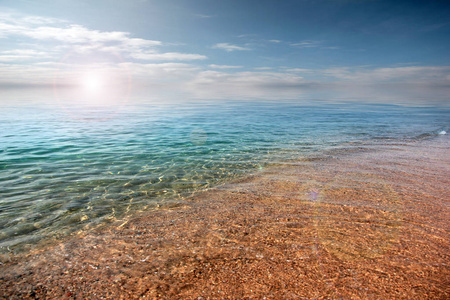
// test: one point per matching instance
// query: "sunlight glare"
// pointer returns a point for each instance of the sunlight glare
(92, 82)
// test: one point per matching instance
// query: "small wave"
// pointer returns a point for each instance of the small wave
(424, 136)
(430, 134)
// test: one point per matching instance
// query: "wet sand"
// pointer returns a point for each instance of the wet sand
(366, 224)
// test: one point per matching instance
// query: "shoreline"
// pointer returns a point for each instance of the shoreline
(365, 225)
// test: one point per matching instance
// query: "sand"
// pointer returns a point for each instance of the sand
(371, 223)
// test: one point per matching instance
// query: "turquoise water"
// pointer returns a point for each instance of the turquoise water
(65, 168)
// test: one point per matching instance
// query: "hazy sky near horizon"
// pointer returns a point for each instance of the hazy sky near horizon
(240, 49)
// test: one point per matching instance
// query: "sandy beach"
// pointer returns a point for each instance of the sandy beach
(370, 223)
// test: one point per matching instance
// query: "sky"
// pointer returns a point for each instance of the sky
(369, 50)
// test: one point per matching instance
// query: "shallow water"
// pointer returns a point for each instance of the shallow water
(367, 223)
(67, 167)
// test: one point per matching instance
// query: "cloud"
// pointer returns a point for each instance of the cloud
(298, 70)
(411, 74)
(20, 55)
(203, 16)
(60, 34)
(170, 56)
(224, 67)
(307, 44)
(161, 71)
(14, 74)
(58, 51)
(41, 28)
(406, 85)
(247, 85)
(247, 35)
(229, 47)
(27, 20)
(402, 85)
(75, 34)
(420, 85)
(313, 44)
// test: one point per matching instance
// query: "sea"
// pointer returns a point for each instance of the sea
(67, 168)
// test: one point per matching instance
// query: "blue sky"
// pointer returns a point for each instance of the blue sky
(246, 49)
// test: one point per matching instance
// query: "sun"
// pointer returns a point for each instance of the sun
(92, 82)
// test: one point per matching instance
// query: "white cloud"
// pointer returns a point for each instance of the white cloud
(168, 56)
(313, 44)
(41, 28)
(202, 16)
(252, 78)
(77, 38)
(403, 85)
(229, 47)
(27, 20)
(224, 67)
(19, 55)
(392, 85)
(247, 85)
(307, 44)
(161, 71)
(247, 35)
(300, 70)
(75, 34)
(26, 74)
(417, 85)
(412, 74)
(263, 68)
(54, 39)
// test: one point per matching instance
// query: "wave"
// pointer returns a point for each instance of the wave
(432, 134)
